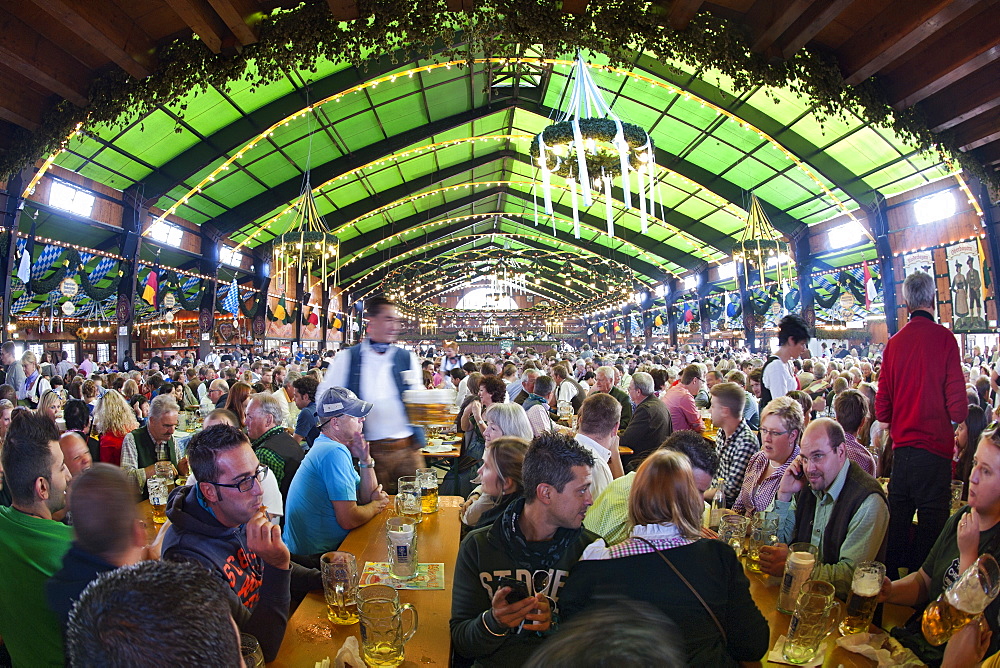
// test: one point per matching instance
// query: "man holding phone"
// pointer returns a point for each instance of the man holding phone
(826, 499)
(508, 575)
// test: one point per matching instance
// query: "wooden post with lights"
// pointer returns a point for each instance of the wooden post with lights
(673, 286)
(11, 220)
(803, 271)
(749, 332)
(879, 224)
(210, 245)
(261, 284)
(134, 214)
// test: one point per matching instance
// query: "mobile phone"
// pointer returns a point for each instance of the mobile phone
(518, 590)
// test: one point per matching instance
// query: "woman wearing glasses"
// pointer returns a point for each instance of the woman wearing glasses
(780, 428)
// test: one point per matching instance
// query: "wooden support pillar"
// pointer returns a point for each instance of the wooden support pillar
(261, 284)
(13, 206)
(673, 288)
(749, 331)
(803, 269)
(134, 213)
(992, 240)
(879, 222)
(704, 289)
(210, 244)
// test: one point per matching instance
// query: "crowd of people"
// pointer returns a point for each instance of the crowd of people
(293, 454)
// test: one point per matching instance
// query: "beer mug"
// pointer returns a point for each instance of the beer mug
(157, 499)
(799, 566)
(733, 531)
(340, 587)
(165, 472)
(408, 498)
(956, 493)
(401, 540)
(816, 615)
(382, 635)
(564, 410)
(763, 531)
(863, 599)
(428, 490)
(963, 601)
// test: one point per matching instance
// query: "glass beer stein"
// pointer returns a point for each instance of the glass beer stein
(733, 531)
(428, 490)
(408, 498)
(382, 635)
(401, 541)
(340, 587)
(863, 599)
(963, 601)
(817, 612)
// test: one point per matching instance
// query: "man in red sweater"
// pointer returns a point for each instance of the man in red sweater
(921, 395)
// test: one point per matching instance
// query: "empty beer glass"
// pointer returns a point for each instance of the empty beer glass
(401, 539)
(733, 531)
(408, 498)
(340, 587)
(816, 615)
(382, 635)
(963, 601)
(863, 599)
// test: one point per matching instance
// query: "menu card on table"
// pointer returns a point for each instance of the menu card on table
(429, 576)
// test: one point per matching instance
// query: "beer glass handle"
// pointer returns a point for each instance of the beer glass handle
(835, 611)
(399, 504)
(413, 629)
(338, 592)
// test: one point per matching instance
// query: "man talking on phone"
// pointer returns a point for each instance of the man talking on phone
(826, 499)
(508, 575)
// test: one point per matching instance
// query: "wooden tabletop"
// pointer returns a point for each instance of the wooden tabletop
(309, 637)
(764, 590)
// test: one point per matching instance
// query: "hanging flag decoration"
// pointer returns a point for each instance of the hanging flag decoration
(337, 322)
(232, 301)
(658, 320)
(870, 293)
(281, 310)
(589, 146)
(151, 288)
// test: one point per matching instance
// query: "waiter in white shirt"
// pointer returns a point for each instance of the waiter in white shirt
(380, 378)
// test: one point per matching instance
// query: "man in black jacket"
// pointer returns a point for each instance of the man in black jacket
(220, 523)
(650, 424)
(536, 540)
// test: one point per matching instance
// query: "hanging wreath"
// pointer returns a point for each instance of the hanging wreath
(192, 304)
(252, 312)
(43, 286)
(95, 293)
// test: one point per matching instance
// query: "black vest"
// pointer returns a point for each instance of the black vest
(857, 487)
(145, 450)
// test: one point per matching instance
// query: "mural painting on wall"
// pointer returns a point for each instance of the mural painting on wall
(921, 261)
(965, 282)
(311, 311)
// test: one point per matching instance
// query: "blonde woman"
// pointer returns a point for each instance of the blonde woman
(113, 419)
(780, 428)
(49, 405)
(35, 385)
(130, 389)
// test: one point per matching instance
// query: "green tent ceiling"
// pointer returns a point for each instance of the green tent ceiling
(406, 157)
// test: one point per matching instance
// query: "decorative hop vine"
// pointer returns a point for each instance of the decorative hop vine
(297, 39)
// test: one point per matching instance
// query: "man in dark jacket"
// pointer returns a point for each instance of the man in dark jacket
(537, 540)
(275, 447)
(606, 383)
(221, 524)
(650, 424)
(826, 499)
(107, 534)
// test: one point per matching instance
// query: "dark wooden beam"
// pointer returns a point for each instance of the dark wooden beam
(768, 19)
(344, 10)
(202, 20)
(898, 28)
(235, 13)
(961, 49)
(969, 97)
(574, 6)
(21, 103)
(25, 50)
(978, 131)
(681, 13)
(990, 155)
(818, 16)
(107, 27)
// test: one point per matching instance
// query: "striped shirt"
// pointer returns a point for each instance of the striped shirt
(859, 454)
(754, 497)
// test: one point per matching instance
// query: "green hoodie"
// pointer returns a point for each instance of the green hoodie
(484, 557)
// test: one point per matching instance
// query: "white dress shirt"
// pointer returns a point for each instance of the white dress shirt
(601, 472)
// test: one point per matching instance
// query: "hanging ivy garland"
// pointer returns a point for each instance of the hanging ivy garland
(97, 294)
(297, 39)
(42, 286)
(172, 282)
(251, 312)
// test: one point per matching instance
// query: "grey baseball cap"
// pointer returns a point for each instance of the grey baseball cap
(338, 401)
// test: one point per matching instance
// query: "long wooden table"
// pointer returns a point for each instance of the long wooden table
(310, 637)
(764, 590)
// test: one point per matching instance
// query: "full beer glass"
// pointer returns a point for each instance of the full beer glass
(763, 531)
(863, 599)
(963, 601)
(157, 499)
(428, 490)
(382, 635)
(340, 587)
(816, 615)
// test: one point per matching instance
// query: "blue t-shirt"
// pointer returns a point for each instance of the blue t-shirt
(306, 420)
(326, 474)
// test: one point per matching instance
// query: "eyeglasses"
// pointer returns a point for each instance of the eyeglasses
(772, 434)
(244, 485)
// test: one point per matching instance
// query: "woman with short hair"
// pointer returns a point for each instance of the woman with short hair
(724, 626)
(780, 428)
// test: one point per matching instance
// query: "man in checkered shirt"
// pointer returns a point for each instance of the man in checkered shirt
(736, 442)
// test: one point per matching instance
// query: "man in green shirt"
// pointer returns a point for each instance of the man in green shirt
(32, 544)
(842, 510)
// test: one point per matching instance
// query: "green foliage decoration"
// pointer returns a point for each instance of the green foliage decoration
(602, 130)
(297, 39)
